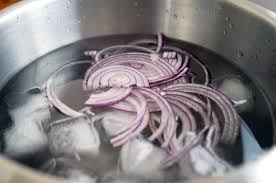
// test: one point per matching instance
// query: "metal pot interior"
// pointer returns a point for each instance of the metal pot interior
(232, 37)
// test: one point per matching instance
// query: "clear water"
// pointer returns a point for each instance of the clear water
(70, 91)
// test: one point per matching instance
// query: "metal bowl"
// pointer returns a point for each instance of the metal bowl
(238, 30)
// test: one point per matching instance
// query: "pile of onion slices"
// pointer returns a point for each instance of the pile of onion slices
(156, 81)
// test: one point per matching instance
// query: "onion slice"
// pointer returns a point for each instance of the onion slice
(168, 123)
(112, 96)
(231, 125)
(117, 76)
(139, 124)
(52, 97)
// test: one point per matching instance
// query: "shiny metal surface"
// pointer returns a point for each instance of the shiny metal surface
(236, 29)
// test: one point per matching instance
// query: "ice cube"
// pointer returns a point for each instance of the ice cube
(25, 137)
(28, 110)
(72, 136)
(32, 103)
(202, 160)
(238, 92)
(115, 122)
(69, 170)
(141, 158)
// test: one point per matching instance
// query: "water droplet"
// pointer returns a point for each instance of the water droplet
(175, 16)
(167, 11)
(135, 4)
(256, 57)
(79, 21)
(67, 7)
(183, 17)
(224, 32)
(230, 26)
(17, 19)
(69, 30)
(227, 19)
(84, 17)
(48, 19)
(240, 54)
(69, 1)
(59, 19)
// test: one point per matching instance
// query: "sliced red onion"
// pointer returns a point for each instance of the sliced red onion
(52, 96)
(159, 42)
(139, 124)
(153, 127)
(231, 125)
(126, 106)
(161, 67)
(183, 151)
(178, 50)
(185, 114)
(116, 47)
(170, 79)
(112, 96)
(123, 106)
(168, 123)
(116, 76)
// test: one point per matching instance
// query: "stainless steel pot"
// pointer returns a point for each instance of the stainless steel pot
(238, 30)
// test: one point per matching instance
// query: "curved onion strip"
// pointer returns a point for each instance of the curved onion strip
(231, 122)
(52, 96)
(181, 72)
(231, 125)
(185, 114)
(116, 47)
(123, 106)
(96, 81)
(170, 79)
(113, 95)
(168, 123)
(159, 42)
(179, 62)
(173, 145)
(196, 99)
(179, 50)
(152, 125)
(199, 108)
(191, 104)
(216, 135)
(127, 58)
(123, 136)
(183, 151)
(139, 124)
(186, 123)
(212, 115)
